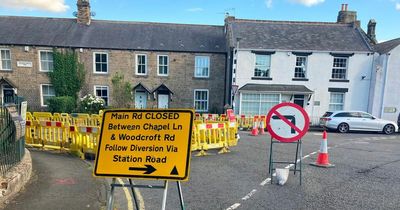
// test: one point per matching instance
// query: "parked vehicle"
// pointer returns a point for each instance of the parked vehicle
(344, 121)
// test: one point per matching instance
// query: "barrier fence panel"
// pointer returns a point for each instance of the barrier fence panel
(79, 133)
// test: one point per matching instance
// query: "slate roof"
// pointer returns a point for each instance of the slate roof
(387, 46)
(276, 88)
(101, 34)
(297, 36)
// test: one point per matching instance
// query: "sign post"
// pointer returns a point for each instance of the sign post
(145, 144)
(287, 123)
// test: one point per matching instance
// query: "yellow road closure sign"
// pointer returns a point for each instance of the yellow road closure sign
(148, 144)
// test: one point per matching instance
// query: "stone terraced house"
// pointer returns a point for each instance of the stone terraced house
(168, 65)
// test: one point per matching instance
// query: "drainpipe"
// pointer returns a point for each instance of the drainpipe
(384, 83)
(370, 85)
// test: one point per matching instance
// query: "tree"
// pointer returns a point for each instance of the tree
(122, 96)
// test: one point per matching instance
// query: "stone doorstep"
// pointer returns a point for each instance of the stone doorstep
(15, 179)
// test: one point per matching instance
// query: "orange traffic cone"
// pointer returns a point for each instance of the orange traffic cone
(254, 131)
(262, 125)
(323, 157)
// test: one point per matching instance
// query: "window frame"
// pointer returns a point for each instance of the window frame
(108, 93)
(1, 60)
(330, 102)
(340, 68)
(201, 100)
(268, 67)
(40, 60)
(197, 67)
(259, 101)
(94, 63)
(304, 68)
(41, 94)
(164, 65)
(137, 64)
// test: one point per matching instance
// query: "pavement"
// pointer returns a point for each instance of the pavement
(60, 181)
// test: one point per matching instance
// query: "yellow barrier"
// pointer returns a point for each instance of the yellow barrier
(212, 136)
(79, 133)
(89, 136)
(52, 134)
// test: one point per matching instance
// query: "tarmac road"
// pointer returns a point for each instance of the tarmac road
(60, 181)
(366, 176)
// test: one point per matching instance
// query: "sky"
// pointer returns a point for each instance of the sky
(385, 12)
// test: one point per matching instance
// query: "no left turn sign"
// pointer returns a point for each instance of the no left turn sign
(287, 122)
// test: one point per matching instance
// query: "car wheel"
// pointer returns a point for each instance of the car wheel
(343, 128)
(388, 129)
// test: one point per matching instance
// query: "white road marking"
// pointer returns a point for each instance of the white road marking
(234, 206)
(317, 134)
(267, 180)
(249, 194)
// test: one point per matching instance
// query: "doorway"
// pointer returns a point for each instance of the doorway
(140, 100)
(299, 100)
(163, 100)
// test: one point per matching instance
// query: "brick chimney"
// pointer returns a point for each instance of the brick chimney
(371, 30)
(83, 14)
(346, 16)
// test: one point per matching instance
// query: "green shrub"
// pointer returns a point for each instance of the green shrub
(62, 104)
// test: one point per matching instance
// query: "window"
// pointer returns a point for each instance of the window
(141, 64)
(262, 66)
(5, 59)
(46, 92)
(100, 62)
(163, 65)
(102, 92)
(339, 68)
(202, 66)
(201, 100)
(301, 67)
(258, 104)
(46, 60)
(336, 102)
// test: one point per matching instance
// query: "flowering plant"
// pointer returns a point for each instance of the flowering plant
(91, 104)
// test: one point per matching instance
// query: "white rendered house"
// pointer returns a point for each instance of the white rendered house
(320, 66)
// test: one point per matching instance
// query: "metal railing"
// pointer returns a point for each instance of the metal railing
(12, 150)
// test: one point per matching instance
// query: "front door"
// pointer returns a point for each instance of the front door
(163, 101)
(8, 95)
(140, 100)
(299, 100)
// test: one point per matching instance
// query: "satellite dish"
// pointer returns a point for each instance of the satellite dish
(75, 14)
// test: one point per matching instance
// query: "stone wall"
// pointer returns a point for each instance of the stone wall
(180, 81)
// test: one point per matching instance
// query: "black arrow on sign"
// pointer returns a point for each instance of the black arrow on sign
(148, 170)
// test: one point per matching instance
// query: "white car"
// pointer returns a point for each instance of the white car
(344, 121)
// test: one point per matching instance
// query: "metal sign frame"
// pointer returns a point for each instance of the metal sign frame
(132, 185)
(299, 154)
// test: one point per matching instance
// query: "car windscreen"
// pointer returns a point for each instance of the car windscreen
(327, 114)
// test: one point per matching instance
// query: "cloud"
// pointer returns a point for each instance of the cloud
(308, 3)
(268, 3)
(398, 6)
(197, 9)
(46, 5)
